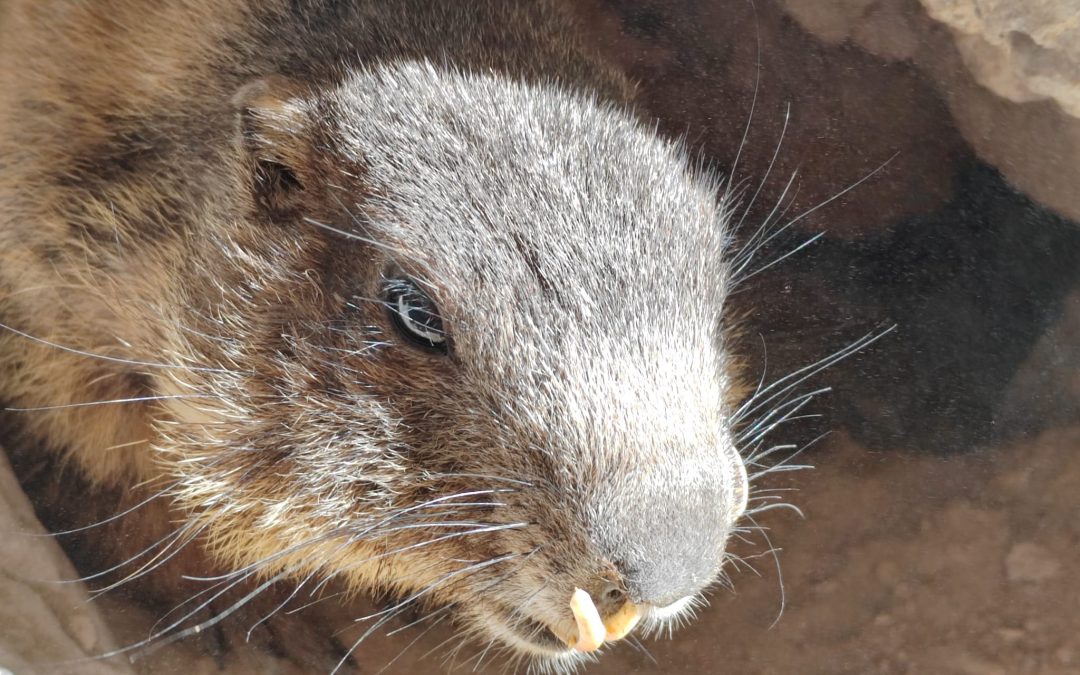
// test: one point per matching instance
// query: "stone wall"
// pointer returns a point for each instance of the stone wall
(46, 623)
(1008, 70)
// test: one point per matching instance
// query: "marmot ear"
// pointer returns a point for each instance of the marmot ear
(275, 127)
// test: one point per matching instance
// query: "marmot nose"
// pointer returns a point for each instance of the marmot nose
(675, 566)
(664, 554)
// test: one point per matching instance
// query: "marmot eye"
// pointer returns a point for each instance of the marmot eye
(414, 315)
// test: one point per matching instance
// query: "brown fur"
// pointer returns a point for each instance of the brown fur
(154, 243)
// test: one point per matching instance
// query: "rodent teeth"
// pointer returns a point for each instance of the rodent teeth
(591, 629)
(623, 621)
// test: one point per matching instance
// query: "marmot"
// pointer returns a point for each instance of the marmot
(396, 293)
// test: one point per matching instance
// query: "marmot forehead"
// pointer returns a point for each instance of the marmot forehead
(531, 186)
(500, 150)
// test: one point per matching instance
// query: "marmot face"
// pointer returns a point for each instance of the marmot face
(463, 343)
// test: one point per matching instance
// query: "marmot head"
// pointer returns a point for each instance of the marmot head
(463, 341)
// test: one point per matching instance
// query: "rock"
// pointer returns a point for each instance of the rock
(1010, 636)
(1046, 389)
(1021, 51)
(47, 625)
(1007, 70)
(1065, 655)
(1030, 562)
(969, 664)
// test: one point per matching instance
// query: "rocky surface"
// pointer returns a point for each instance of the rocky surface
(1008, 71)
(46, 624)
(901, 89)
(1046, 388)
(1022, 52)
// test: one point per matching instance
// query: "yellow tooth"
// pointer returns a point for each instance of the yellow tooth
(623, 621)
(591, 629)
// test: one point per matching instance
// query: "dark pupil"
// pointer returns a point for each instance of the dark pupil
(420, 313)
(415, 315)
